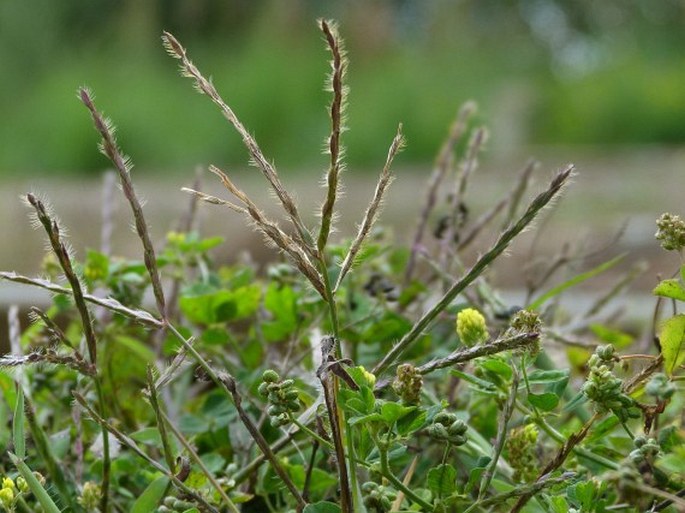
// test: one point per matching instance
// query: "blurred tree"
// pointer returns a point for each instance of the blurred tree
(581, 71)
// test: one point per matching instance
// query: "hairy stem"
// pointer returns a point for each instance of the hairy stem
(501, 437)
(58, 247)
(337, 109)
(123, 166)
(198, 461)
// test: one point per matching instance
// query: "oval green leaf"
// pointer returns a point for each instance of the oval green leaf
(670, 288)
(442, 480)
(672, 337)
(545, 402)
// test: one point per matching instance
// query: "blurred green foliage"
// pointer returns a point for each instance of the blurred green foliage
(545, 71)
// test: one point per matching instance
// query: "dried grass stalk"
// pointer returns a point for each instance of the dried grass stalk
(512, 200)
(463, 355)
(518, 191)
(230, 385)
(140, 316)
(442, 165)
(52, 229)
(123, 165)
(337, 112)
(213, 200)
(469, 164)
(131, 444)
(273, 233)
(467, 167)
(481, 223)
(538, 203)
(55, 333)
(50, 357)
(204, 86)
(374, 207)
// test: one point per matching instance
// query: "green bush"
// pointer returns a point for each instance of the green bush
(349, 375)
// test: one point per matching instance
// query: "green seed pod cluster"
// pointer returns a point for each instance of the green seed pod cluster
(604, 389)
(660, 387)
(378, 498)
(174, 504)
(646, 450)
(526, 321)
(671, 232)
(281, 395)
(408, 383)
(471, 327)
(90, 496)
(522, 456)
(446, 427)
(604, 355)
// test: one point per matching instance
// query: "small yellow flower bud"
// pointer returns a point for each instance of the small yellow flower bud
(368, 376)
(8, 483)
(175, 238)
(471, 327)
(7, 497)
(22, 485)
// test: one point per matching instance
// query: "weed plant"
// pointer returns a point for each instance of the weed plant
(349, 376)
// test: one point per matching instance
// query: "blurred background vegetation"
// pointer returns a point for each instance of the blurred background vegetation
(546, 72)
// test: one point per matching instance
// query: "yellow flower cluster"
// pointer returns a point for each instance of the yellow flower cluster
(12, 489)
(471, 327)
(7, 494)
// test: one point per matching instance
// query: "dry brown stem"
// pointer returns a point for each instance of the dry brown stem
(372, 211)
(122, 163)
(442, 165)
(273, 233)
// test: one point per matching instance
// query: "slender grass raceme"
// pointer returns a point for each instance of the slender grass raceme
(540, 201)
(123, 166)
(333, 146)
(443, 164)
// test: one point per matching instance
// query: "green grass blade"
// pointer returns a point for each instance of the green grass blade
(580, 278)
(34, 485)
(152, 496)
(18, 425)
(55, 471)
